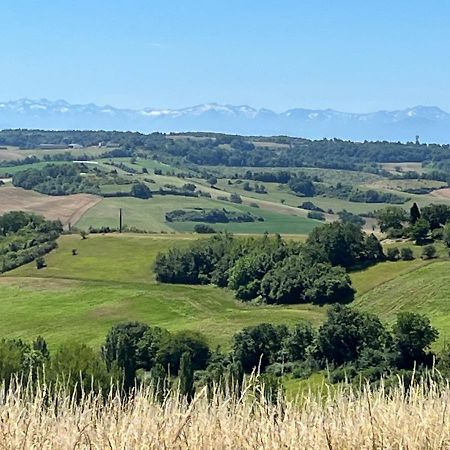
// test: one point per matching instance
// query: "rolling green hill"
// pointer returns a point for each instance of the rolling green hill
(424, 289)
(150, 215)
(111, 280)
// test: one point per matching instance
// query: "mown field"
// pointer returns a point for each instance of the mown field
(150, 215)
(111, 280)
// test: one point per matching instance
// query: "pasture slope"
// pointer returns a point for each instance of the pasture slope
(111, 280)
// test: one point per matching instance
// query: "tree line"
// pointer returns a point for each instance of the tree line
(240, 151)
(25, 237)
(349, 344)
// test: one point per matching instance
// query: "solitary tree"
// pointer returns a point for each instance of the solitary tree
(212, 180)
(413, 335)
(407, 253)
(40, 262)
(393, 253)
(429, 252)
(141, 190)
(159, 381)
(41, 346)
(414, 214)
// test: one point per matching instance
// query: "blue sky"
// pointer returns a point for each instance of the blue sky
(349, 55)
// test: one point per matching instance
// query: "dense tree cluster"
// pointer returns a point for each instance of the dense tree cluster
(281, 176)
(426, 224)
(343, 244)
(310, 206)
(347, 216)
(25, 237)
(371, 196)
(202, 228)
(211, 216)
(272, 269)
(52, 179)
(350, 341)
(303, 187)
(141, 190)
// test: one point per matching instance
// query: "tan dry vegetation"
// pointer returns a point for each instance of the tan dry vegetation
(10, 154)
(268, 144)
(404, 166)
(441, 193)
(14, 153)
(340, 419)
(68, 208)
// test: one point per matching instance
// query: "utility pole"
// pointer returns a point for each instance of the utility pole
(120, 220)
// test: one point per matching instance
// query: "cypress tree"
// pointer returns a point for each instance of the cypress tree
(414, 213)
(236, 377)
(186, 376)
(159, 379)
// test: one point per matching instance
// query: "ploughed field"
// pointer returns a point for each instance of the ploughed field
(67, 209)
(111, 280)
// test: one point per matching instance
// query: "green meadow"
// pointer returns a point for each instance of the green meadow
(111, 280)
(149, 215)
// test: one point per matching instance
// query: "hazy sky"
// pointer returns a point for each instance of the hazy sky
(360, 55)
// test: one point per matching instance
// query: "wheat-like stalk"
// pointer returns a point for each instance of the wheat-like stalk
(345, 418)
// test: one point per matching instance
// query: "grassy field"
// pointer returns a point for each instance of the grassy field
(277, 194)
(402, 185)
(140, 163)
(111, 280)
(398, 167)
(4, 171)
(424, 289)
(150, 215)
(14, 153)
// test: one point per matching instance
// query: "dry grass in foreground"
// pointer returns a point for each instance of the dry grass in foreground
(373, 419)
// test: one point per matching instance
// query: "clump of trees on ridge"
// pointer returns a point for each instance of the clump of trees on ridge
(273, 270)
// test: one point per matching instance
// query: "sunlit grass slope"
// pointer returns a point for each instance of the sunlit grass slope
(111, 280)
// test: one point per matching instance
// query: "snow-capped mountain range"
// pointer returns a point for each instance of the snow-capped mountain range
(429, 122)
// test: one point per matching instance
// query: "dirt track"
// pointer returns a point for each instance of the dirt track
(68, 208)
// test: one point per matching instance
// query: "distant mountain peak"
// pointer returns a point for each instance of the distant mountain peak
(430, 122)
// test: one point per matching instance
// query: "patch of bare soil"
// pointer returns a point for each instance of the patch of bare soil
(67, 208)
(441, 193)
